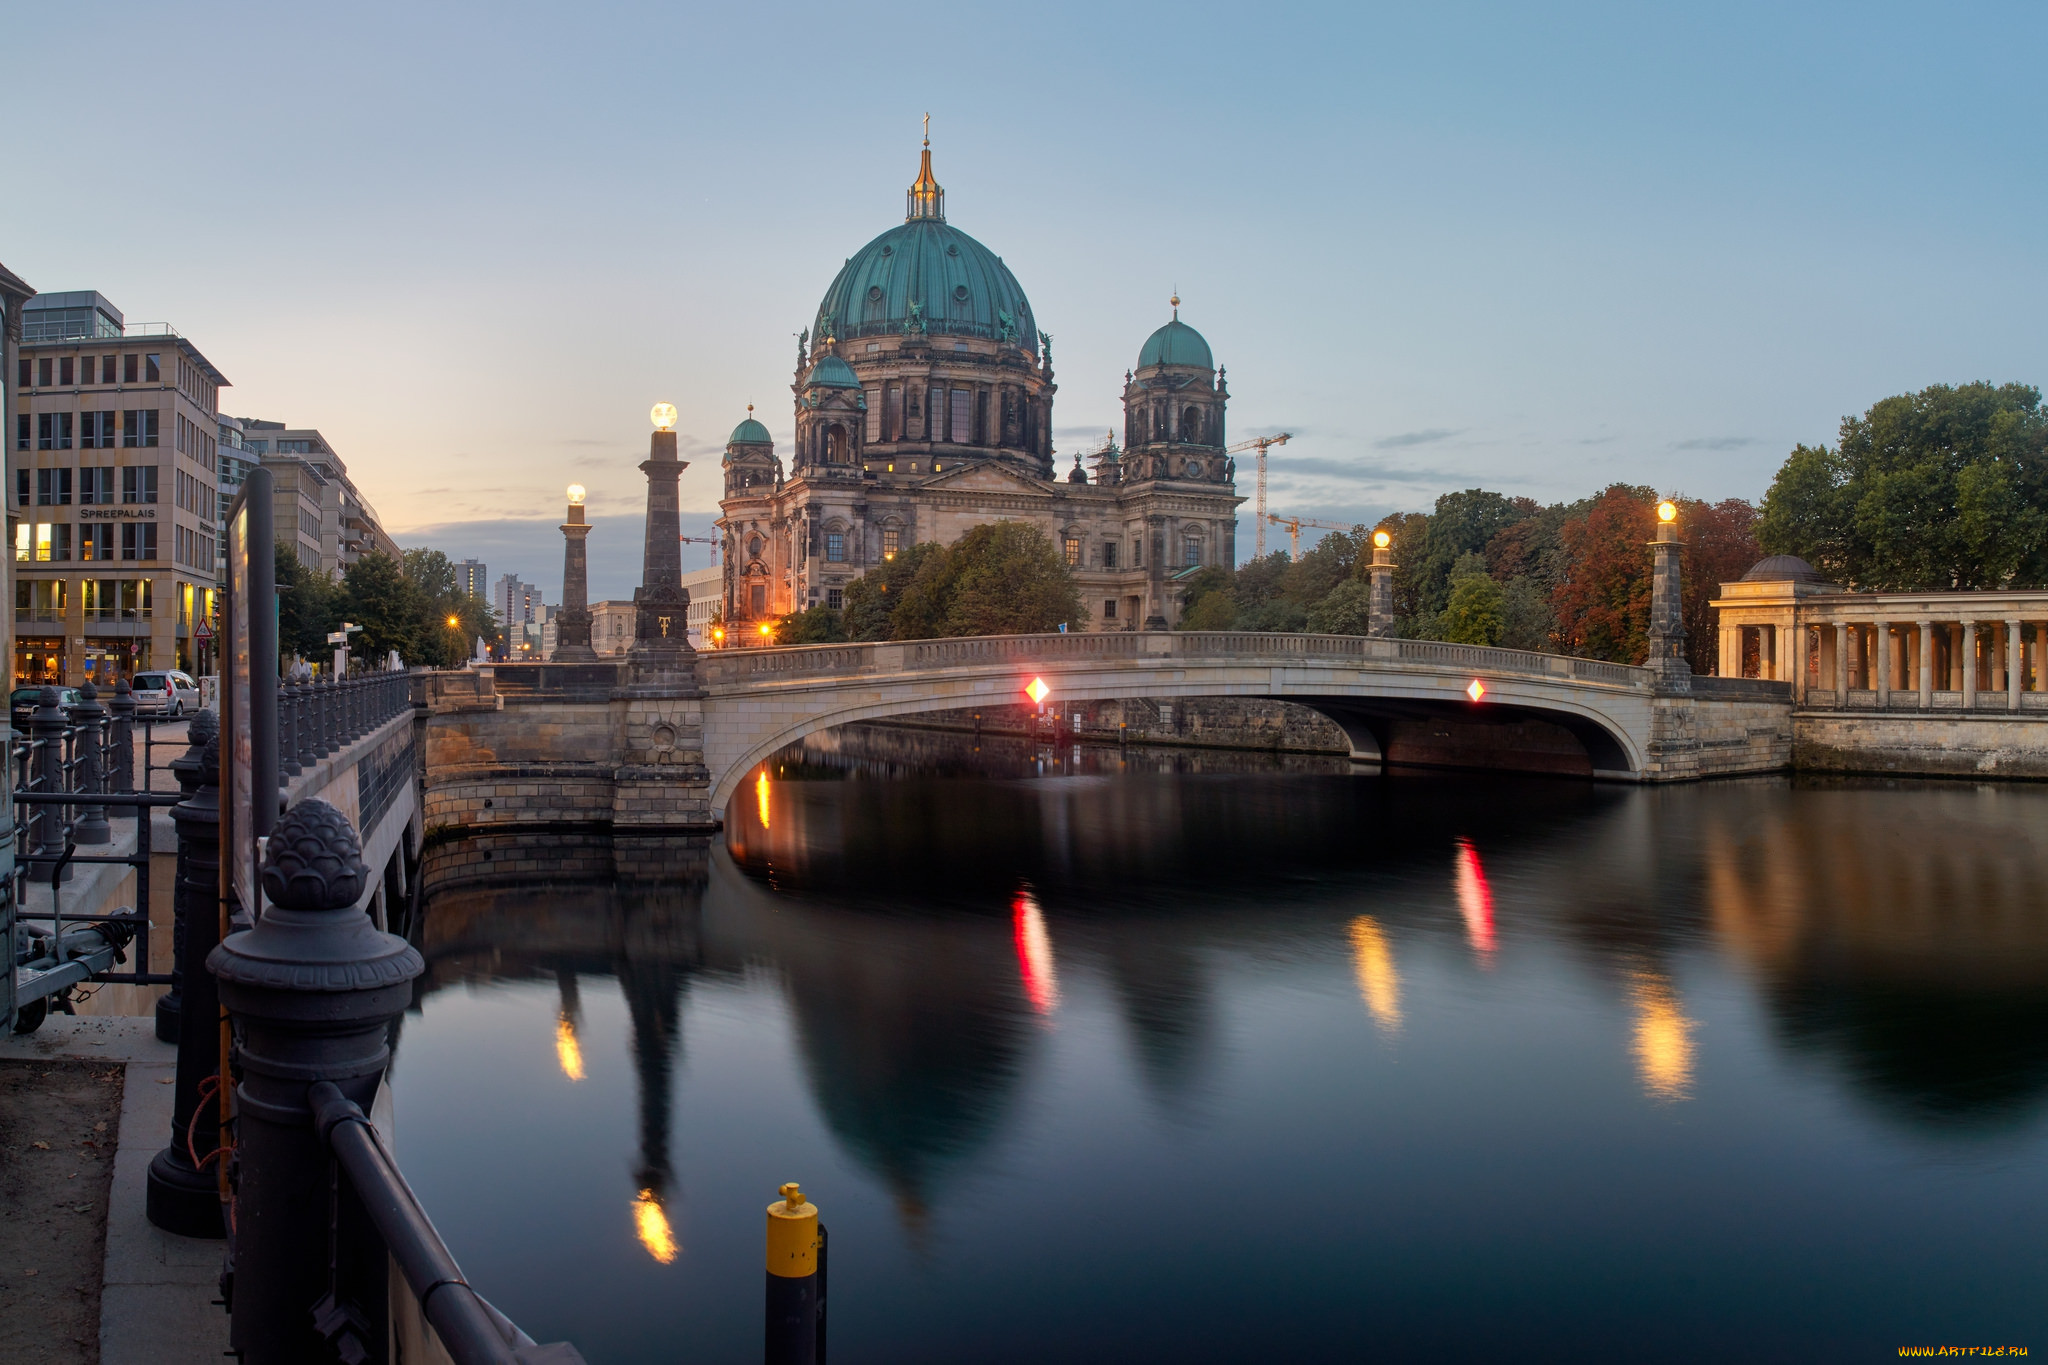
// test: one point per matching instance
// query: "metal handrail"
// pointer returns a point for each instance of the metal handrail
(469, 1328)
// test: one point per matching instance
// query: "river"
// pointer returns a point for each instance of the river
(1207, 1056)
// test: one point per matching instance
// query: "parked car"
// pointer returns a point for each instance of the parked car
(22, 703)
(168, 693)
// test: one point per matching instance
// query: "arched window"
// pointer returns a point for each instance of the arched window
(1191, 549)
(1191, 426)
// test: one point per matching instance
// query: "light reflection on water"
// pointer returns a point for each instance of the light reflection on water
(1344, 1065)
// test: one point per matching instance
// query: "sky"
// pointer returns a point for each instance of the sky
(1538, 249)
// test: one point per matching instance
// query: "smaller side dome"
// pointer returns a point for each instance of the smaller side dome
(1779, 568)
(1176, 344)
(749, 432)
(831, 373)
(1077, 474)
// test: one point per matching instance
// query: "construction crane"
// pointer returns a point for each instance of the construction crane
(1259, 443)
(712, 541)
(1294, 525)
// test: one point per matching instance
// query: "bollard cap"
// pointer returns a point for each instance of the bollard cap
(792, 1235)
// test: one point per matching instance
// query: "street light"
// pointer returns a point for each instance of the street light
(1381, 540)
(1667, 511)
(576, 493)
(663, 416)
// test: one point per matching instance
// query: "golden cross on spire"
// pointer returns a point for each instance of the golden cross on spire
(927, 130)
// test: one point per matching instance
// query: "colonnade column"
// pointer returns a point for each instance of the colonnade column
(1926, 664)
(1969, 653)
(1798, 678)
(2015, 664)
(1880, 664)
(1841, 664)
(1731, 651)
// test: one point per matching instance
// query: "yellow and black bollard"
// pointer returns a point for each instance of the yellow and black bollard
(796, 1281)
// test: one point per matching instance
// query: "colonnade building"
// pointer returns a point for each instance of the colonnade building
(1940, 651)
(923, 398)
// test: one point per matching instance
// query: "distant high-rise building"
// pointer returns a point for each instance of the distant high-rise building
(473, 579)
(518, 605)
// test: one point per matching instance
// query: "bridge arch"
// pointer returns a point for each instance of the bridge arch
(760, 701)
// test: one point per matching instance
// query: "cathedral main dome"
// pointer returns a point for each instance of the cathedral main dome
(926, 275)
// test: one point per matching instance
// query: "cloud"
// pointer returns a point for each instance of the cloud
(1716, 443)
(1428, 436)
(1596, 440)
(1355, 471)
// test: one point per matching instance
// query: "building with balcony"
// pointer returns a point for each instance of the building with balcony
(313, 486)
(113, 493)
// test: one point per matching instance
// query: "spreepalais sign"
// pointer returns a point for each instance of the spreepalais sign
(117, 514)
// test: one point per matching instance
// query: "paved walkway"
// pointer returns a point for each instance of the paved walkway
(156, 1306)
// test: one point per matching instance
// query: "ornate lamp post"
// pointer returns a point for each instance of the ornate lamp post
(1380, 608)
(1667, 619)
(661, 605)
(572, 622)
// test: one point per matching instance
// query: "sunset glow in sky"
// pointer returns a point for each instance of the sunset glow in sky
(1539, 249)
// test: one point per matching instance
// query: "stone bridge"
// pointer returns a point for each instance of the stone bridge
(609, 742)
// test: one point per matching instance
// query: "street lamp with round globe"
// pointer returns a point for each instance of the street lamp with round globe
(576, 495)
(1381, 540)
(1667, 511)
(664, 416)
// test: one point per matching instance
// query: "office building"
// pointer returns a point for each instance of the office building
(336, 526)
(114, 505)
(14, 292)
(473, 579)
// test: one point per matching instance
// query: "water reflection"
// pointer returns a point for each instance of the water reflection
(1663, 1041)
(1559, 945)
(1379, 984)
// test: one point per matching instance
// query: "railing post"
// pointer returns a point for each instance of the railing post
(303, 733)
(183, 1196)
(185, 768)
(287, 732)
(312, 991)
(46, 726)
(89, 718)
(121, 739)
(330, 718)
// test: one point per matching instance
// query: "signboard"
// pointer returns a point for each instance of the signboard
(204, 633)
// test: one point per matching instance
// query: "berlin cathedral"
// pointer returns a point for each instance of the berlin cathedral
(924, 407)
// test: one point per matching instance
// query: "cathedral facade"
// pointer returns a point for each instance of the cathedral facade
(924, 399)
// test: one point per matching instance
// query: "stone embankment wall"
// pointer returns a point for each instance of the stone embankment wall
(1927, 744)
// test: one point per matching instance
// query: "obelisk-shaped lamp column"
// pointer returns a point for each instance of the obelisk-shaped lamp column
(1667, 615)
(1380, 606)
(572, 622)
(661, 603)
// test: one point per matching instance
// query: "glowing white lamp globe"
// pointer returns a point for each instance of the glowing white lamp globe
(664, 416)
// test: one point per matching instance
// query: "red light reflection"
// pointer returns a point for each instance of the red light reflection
(1475, 898)
(1034, 954)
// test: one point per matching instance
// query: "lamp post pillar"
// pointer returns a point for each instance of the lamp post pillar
(661, 605)
(572, 622)
(1380, 605)
(1667, 619)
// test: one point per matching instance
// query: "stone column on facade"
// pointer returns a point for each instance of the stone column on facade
(1155, 573)
(1798, 671)
(1667, 620)
(1969, 653)
(1380, 609)
(1841, 664)
(1954, 632)
(2015, 664)
(661, 606)
(1881, 662)
(1926, 663)
(572, 622)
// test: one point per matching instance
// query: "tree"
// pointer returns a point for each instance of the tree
(1527, 621)
(1462, 524)
(1410, 533)
(1345, 610)
(1207, 600)
(1009, 580)
(376, 595)
(871, 599)
(1603, 604)
(1473, 613)
(1944, 489)
(308, 605)
(818, 626)
(437, 597)
(1003, 578)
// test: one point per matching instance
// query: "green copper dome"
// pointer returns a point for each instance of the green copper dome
(831, 373)
(925, 276)
(1176, 344)
(749, 432)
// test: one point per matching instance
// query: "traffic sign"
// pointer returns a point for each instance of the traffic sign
(204, 633)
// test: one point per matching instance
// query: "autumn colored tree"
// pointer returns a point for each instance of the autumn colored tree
(1603, 602)
(1720, 547)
